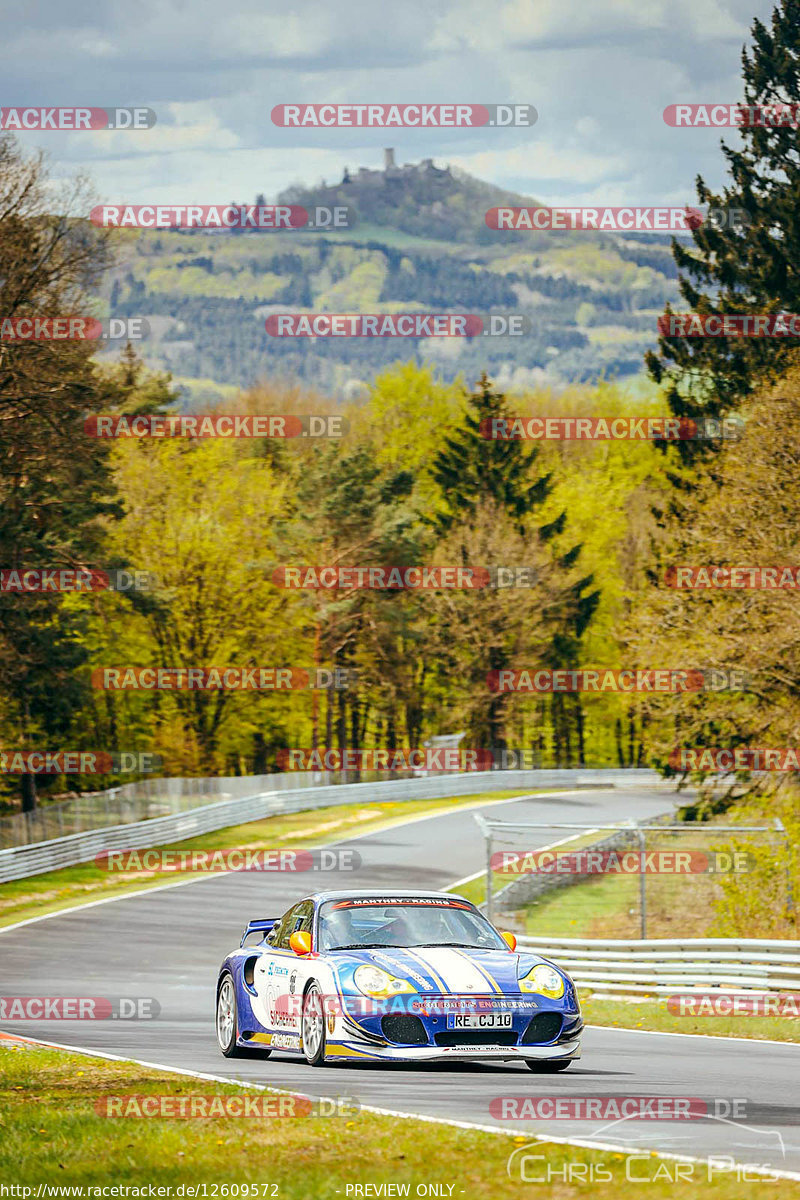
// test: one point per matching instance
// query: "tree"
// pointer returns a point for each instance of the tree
(200, 515)
(490, 493)
(55, 491)
(749, 514)
(747, 266)
(471, 468)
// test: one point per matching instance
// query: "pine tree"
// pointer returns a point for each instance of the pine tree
(748, 265)
(476, 473)
(472, 468)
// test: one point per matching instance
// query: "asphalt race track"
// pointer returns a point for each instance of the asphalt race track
(168, 944)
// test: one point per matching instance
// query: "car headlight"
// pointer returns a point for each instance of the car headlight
(544, 980)
(373, 981)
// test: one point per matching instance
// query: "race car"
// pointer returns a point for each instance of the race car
(393, 976)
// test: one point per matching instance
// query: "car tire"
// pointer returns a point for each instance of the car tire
(227, 1023)
(313, 1027)
(547, 1066)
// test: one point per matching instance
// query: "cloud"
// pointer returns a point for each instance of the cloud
(599, 74)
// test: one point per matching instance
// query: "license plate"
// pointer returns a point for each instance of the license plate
(500, 1020)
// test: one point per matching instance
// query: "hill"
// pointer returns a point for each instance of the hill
(418, 241)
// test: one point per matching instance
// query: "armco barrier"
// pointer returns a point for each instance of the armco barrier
(664, 966)
(141, 800)
(18, 862)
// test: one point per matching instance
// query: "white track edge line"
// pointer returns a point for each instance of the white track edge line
(389, 1112)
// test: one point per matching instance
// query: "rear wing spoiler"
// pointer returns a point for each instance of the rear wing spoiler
(262, 925)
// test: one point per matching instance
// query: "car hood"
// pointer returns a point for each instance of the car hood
(441, 969)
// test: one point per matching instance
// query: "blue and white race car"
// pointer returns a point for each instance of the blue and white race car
(393, 976)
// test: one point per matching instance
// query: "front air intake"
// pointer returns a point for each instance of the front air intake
(544, 1027)
(476, 1037)
(404, 1028)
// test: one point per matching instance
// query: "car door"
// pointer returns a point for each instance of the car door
(276, 978)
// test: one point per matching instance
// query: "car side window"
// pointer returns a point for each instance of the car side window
(303, 917)
(285, 929)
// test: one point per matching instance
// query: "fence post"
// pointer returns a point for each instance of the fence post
(487, 834)
(788, 843)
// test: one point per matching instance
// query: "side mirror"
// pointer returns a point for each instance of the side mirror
(300, 942)
(509, 940)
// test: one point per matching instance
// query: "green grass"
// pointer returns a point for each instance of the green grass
(587, 909)
(475, 889)
(52, 1134)
(653, 1014)
(54, 890)
(677, 905)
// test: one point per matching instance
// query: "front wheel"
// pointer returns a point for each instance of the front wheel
(547, 1066)
(313, 1030)
(226, 1017)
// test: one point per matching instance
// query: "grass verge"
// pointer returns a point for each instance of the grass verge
(52, 1135)
(652, 1014)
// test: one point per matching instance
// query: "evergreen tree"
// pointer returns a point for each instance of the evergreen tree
(748, 265)
(477, 474)
(471, 469)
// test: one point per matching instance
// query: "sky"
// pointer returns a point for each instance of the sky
(599, 72)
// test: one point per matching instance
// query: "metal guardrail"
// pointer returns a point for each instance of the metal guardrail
(141, 800)
(663, 966)
(266, 799)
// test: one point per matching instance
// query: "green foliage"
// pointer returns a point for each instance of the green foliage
(746, 266)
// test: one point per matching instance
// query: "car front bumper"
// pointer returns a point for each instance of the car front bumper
(368, 1053)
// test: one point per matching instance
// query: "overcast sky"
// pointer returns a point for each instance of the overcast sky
(600, 73)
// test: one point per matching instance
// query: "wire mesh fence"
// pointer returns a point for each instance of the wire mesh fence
(130, 803)
(628, 880)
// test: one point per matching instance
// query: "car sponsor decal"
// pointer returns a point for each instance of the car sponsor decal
(424, 901)
(285, 1041)
(402, 968)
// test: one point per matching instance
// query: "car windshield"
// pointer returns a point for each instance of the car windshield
(406, 921)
